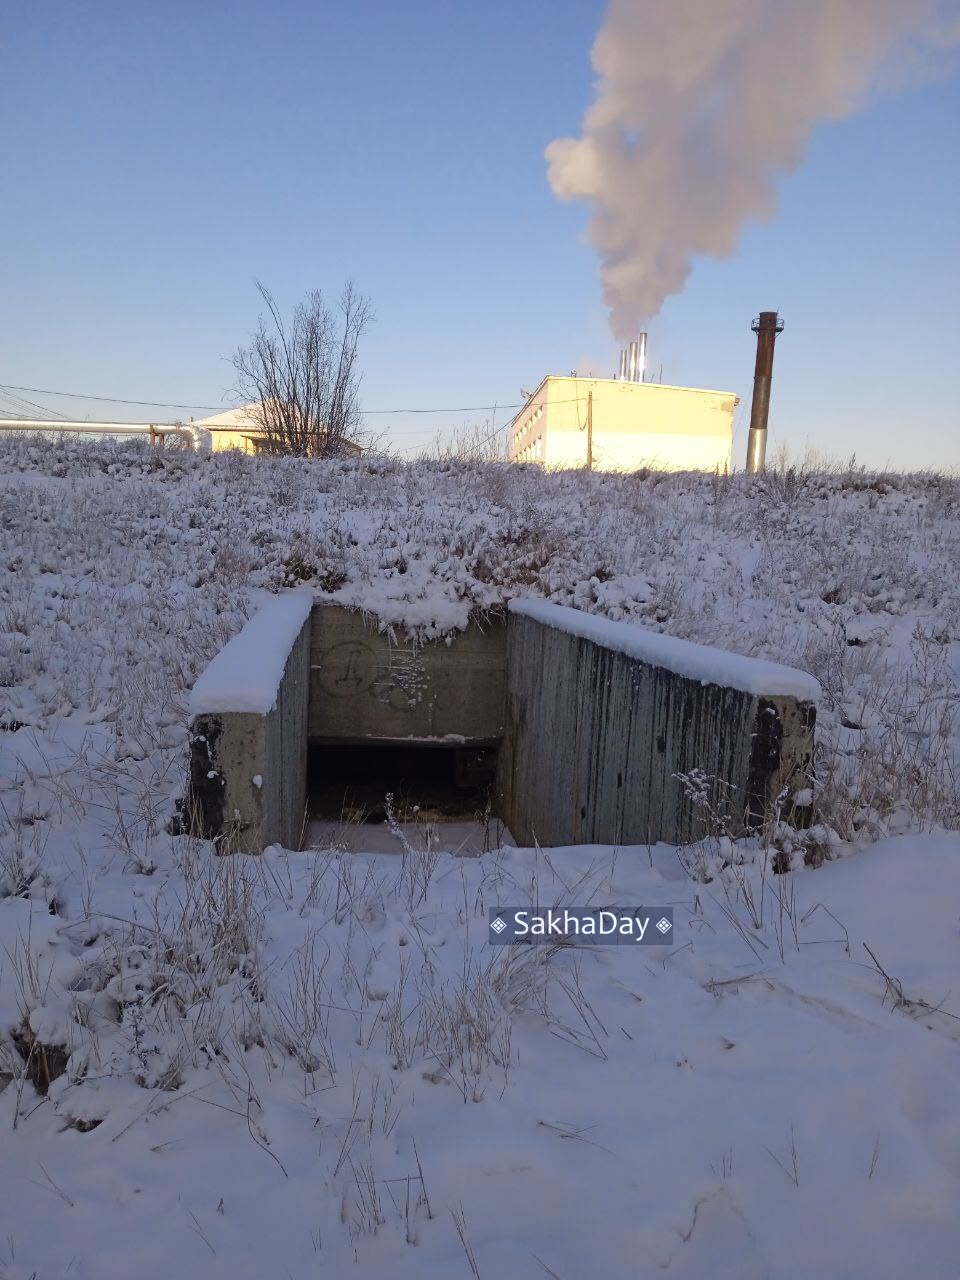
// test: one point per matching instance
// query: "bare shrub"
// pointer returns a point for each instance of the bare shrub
(301, 376)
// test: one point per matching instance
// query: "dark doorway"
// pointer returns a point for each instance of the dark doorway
(428, 783)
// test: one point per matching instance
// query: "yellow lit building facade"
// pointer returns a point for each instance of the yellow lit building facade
(238, 429)
(611, 424)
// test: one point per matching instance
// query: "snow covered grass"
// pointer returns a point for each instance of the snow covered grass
(308, 1062)
(126, 569)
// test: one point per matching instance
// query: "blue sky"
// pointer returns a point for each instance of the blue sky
(159, 158)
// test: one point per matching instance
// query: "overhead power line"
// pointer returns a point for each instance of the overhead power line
(470, 408)
(24, 407)
(80, 395)
(220, 408)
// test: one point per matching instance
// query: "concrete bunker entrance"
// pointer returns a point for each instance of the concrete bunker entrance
(420, 722)
(565, 728)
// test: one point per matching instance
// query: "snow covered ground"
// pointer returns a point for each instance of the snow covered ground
(315, 1063)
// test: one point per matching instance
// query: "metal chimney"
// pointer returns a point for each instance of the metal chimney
(766, 326)
(633, 360)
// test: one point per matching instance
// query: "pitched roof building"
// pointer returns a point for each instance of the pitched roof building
(239, 429)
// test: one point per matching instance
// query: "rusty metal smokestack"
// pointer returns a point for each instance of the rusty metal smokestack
(766, 326)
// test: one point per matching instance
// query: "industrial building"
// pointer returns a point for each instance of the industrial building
(232, 429)
(624, 423)
(240, 429)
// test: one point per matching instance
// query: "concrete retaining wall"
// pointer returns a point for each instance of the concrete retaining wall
(593, 720)
(248, 745)
(365, 684)
(595, 734)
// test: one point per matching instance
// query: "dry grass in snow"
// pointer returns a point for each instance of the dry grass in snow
(311, 1062)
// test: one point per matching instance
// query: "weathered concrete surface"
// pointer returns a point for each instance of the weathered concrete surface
(363, 685)
(591, 736)
(594, 738)
(248, 771)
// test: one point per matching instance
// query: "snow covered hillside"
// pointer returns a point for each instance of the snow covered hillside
(315, 1063)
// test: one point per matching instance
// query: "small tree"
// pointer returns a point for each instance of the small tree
(302, 377)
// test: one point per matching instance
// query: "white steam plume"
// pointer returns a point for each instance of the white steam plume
(700, 104)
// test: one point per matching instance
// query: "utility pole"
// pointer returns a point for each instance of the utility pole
(589, 430)
(766, 326)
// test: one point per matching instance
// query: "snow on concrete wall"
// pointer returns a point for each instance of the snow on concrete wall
(248, 750)
(247, 672)
(595, 720)
(602, 716)
(684, 658)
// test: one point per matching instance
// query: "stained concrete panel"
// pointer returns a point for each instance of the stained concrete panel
(248, 771)
(365, 684)
(595, 739)
(591, 736)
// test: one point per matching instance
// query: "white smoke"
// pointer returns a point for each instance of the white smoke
(700, 105)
